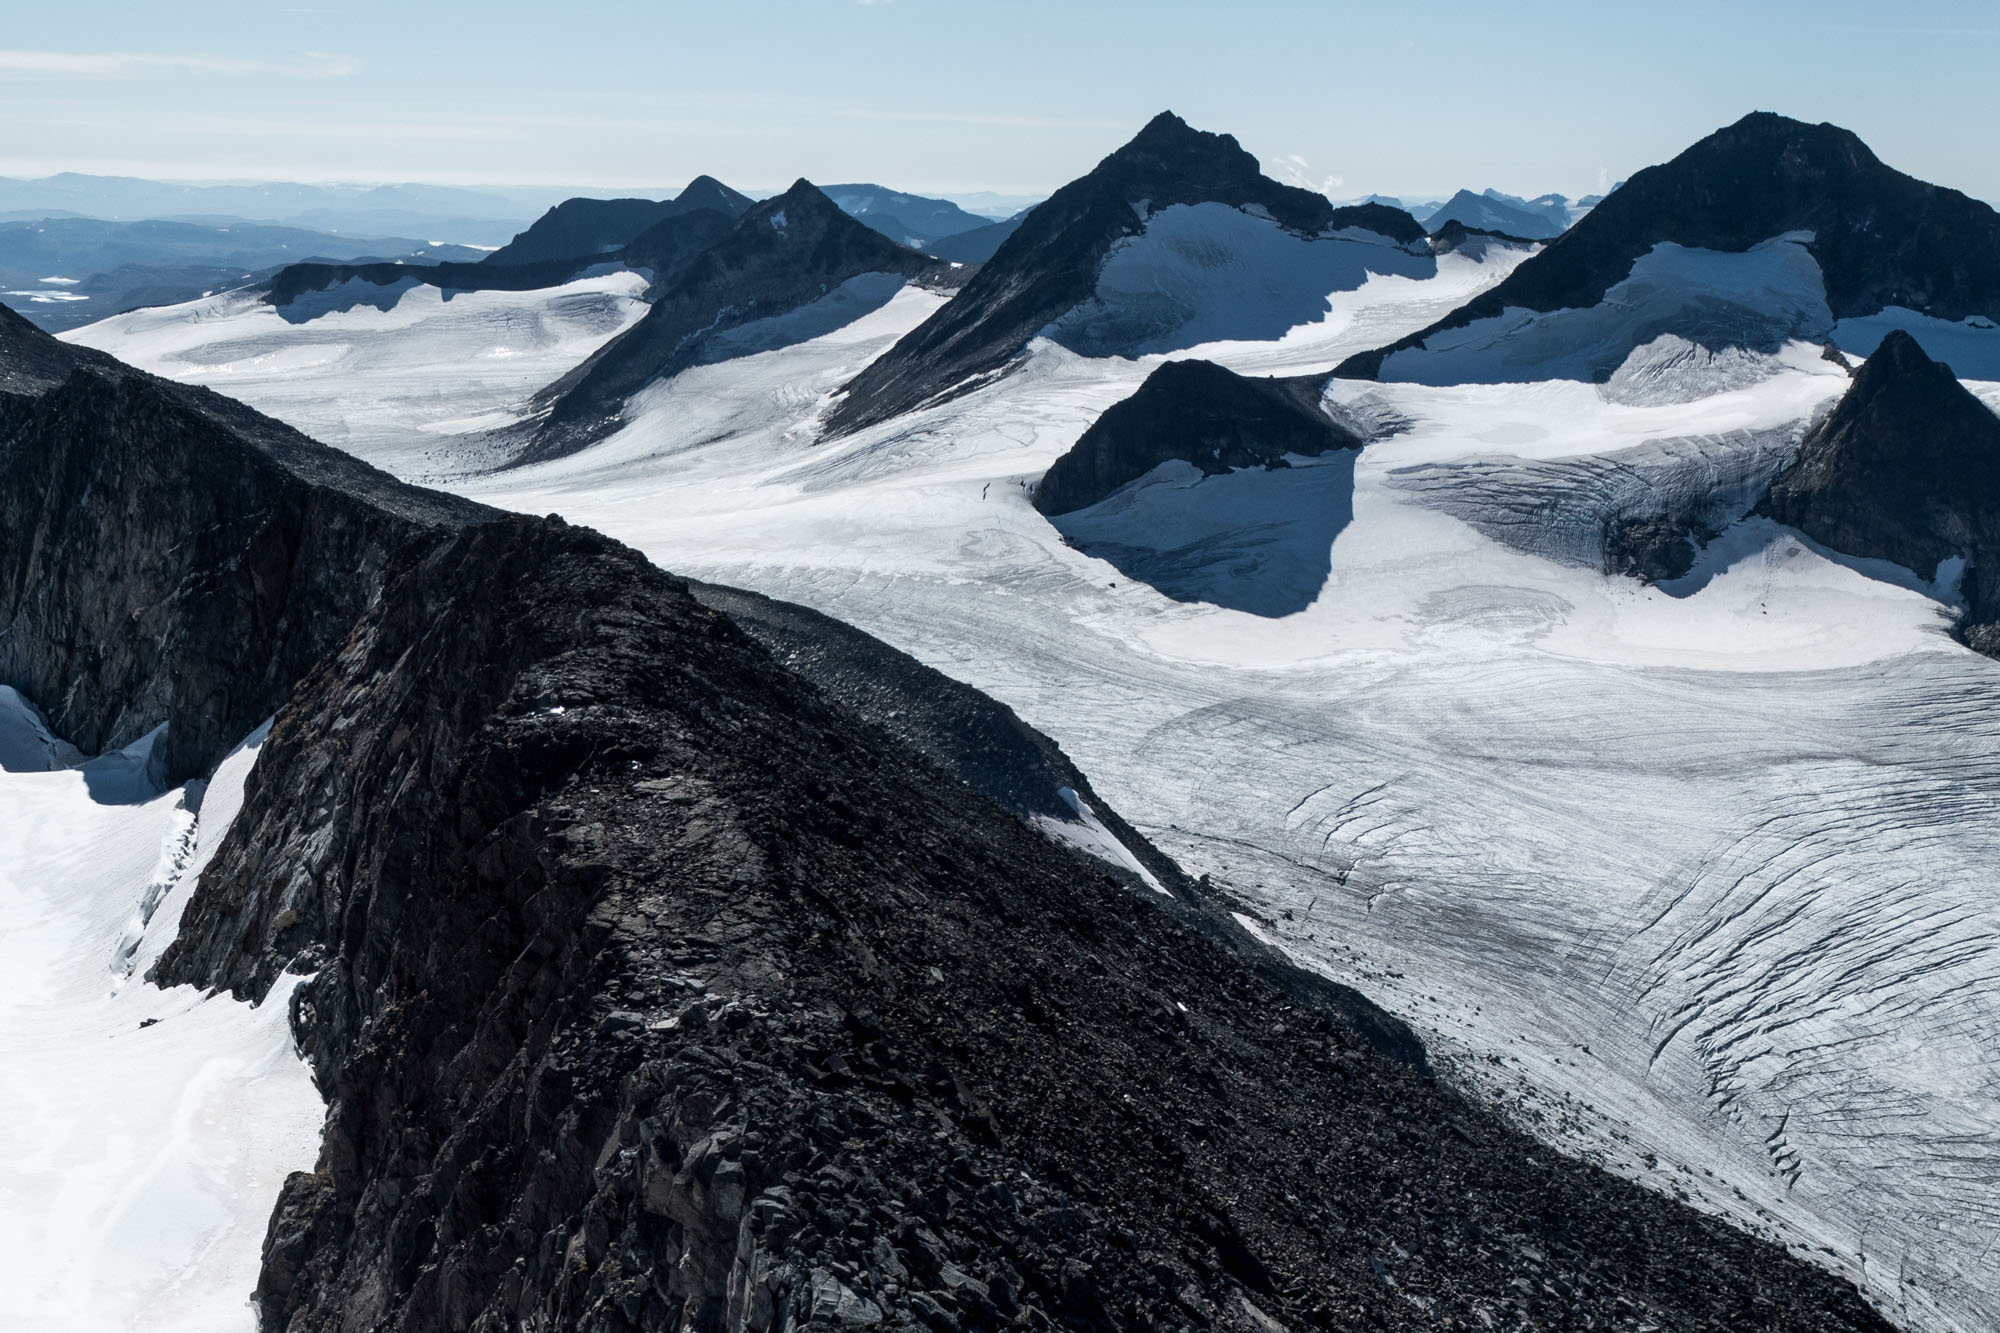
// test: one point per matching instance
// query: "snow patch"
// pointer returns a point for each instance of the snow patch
(1088, 834)
(147, 1131)
(1206, 272)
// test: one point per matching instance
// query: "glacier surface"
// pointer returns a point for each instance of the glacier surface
(1694, 880)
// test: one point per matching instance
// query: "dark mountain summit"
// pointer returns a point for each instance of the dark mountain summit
(583, 227)
(785, 253)
(654, 987)
(1050, 264)
(1881, 238)
(1197, 412)
(1905, 469)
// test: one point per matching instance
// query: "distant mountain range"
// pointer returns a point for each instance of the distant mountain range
(111, 243)
(65, 272)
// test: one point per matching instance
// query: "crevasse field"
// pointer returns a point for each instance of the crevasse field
(1696, 879)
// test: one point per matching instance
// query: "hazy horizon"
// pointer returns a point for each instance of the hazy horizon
(947, 98)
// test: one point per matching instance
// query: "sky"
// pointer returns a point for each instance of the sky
(948, 96)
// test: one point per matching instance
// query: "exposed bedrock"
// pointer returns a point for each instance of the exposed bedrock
(653, 990)
(169, 556)
(789, 252)
(1906, 469)
(1199, 413)
(1050, 264)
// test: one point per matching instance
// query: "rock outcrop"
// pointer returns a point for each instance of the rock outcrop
(786, 253)
(169, 556)
(1881, 238)
(1050, 264)
(1199, 413)
(1905, 469)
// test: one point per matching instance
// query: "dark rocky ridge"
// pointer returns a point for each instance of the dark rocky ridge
(655, 991)
(1200, 413)
(1905, 469)
(1881, 238)
(169, 555)
(785, 253)
(582, 227)
(666, 249)
(1050, 264)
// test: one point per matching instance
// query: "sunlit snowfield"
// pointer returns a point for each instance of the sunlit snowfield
(146, 1132)
(1698, 879)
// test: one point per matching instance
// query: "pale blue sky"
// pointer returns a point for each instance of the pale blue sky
(942, 95)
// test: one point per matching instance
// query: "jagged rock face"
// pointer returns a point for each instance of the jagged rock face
(1880, 237)
(785, 253)
(669, 248)
(581, 228)
(167, 555)
(655, 991)
(1905, 469)
(1197, 412)
(1050, 264)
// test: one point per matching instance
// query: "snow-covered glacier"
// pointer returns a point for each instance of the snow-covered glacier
(1695, 877)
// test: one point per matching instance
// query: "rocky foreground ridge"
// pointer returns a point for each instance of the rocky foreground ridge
(656, 987)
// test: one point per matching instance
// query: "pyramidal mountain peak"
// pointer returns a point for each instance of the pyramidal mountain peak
(1051, 264)
(1906, 468)
(1880, 239)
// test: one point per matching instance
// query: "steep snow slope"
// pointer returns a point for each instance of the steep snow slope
(387, 384)
(1691, 874)
(147, 1131)
(1205, 272)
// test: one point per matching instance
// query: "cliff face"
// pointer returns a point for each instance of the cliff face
(167, 555)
